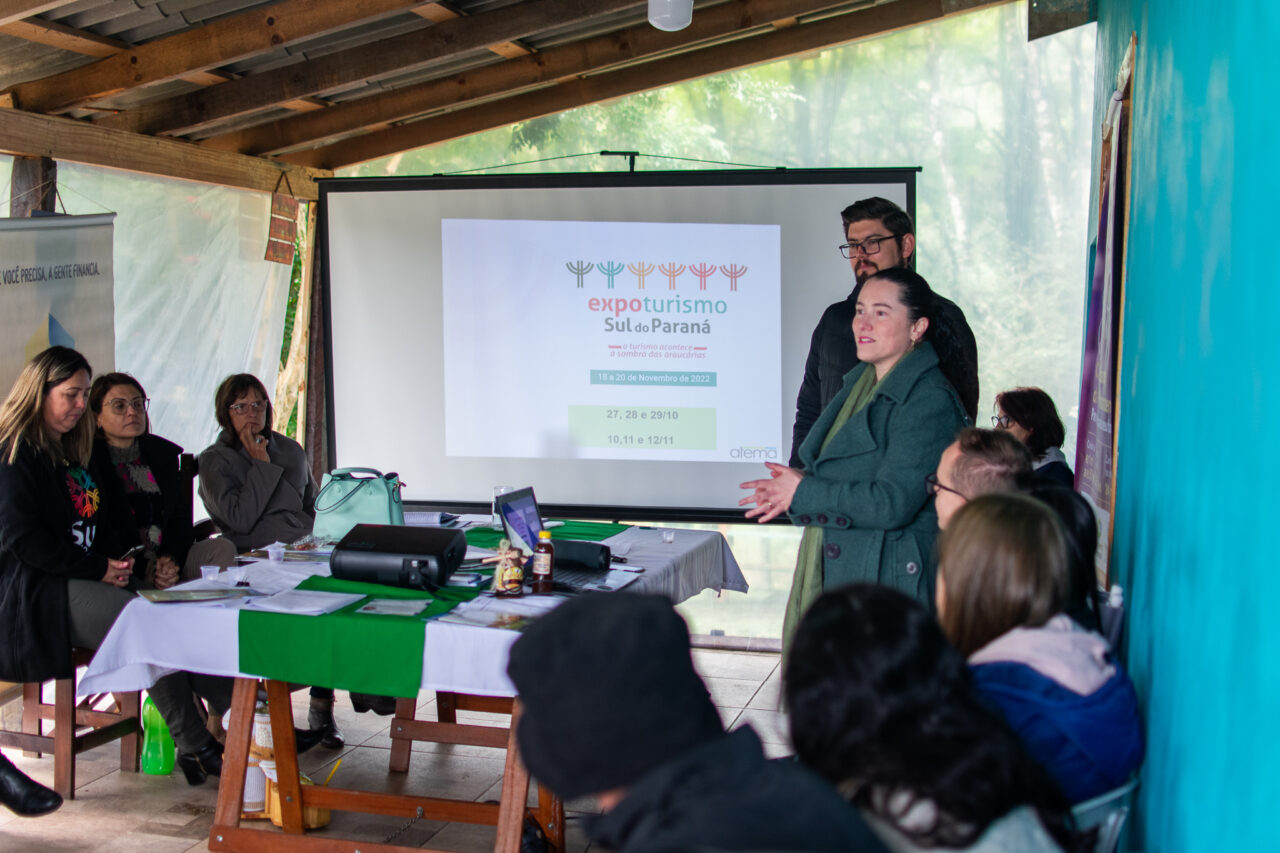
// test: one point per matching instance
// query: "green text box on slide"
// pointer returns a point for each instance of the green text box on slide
(643, 427)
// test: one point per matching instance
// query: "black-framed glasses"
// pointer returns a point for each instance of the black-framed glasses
(869, 246)
(932, 484)
(255, 407)
(1001, 421)
(120, 405)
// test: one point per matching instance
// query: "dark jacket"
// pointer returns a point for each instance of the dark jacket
(162, 457)
(724, 795)
(833, 352)
(255, 503)
(45, 539)
(867, 490)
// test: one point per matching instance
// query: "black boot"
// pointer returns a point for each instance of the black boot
(201, 764)
(383, 706)
(24, 795)
(320, 718)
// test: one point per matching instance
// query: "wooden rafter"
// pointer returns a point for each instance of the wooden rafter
(16, 10)
(775, 44)
(549, 66)
(53, 34)
(216, 43)
(28, 134)
(347, 67)
(438, 13)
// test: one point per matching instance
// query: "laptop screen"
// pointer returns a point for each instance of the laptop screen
(520, 518)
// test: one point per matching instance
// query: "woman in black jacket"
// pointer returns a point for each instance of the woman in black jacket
(148, 484)
(58, 589)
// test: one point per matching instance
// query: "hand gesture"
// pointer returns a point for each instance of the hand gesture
(166, 573)
(118, 572)
(772, 497)
(254, 444)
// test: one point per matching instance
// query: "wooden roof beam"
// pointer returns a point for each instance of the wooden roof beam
(438, 13)
(347, 67)
(216, 43)
(32, 135)
(53, 34)
(775, 44)
(550, 66)
(16, 10)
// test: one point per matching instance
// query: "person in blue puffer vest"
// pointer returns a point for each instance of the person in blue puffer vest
(1002, 588)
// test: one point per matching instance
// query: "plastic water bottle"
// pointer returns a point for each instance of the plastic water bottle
(157, 743)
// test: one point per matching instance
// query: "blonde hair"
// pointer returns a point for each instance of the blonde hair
(22, 413)
(1003, 560)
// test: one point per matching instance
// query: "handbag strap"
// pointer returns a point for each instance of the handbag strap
(345, 474)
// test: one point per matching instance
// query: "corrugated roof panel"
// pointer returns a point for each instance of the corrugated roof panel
(22, 61)
(120, 26)
(214, 9)
(98, 15)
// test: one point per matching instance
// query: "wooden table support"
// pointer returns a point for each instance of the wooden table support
(508, 815)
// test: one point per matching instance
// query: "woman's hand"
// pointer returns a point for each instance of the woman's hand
(118, 572)
(166, 573)
(772, 497)
(254, 444)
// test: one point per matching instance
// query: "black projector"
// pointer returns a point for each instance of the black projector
(396, 555)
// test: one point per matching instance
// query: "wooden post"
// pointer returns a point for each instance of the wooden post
(34, 185)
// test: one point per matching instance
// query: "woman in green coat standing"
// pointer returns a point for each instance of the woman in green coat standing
(861, 495)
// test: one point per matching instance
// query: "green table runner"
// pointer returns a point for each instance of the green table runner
(592, 531)
(364, 652)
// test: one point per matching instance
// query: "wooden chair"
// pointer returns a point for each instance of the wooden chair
(77, 726)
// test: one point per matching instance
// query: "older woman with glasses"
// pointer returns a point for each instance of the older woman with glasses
(1029, 415)
(256, 483)
(861, 493)
(147, 481)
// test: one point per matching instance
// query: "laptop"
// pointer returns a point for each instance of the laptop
(522, 522)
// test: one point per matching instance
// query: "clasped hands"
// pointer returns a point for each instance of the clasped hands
(772, 497)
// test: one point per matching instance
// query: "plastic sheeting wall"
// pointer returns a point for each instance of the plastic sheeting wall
(194, 299)
(1196, 487)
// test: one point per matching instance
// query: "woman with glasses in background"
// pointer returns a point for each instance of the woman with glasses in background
(1030, 416)
(255, 483)
(147, 481)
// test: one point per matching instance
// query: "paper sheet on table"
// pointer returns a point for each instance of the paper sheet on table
(271, 577)
(303, 602)
(512, 614)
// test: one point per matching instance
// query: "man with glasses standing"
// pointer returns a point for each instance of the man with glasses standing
(879, 235)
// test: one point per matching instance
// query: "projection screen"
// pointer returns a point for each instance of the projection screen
(629, 344)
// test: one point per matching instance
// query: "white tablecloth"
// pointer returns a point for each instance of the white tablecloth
(150, 640)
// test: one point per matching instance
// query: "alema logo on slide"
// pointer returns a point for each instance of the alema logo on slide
(752, 453)
(609, 271)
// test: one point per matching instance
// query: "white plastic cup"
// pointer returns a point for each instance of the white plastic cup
(235, 574)
(498, 491)
(668, 536)
(275, 552)
(210, 572)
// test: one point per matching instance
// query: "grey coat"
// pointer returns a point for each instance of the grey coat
(867, 490)
(255, 503)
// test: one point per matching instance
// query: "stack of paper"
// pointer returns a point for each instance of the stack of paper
(304, 602)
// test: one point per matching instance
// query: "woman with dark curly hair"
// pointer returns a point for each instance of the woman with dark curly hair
(1031, 417)
(883, 707)
(861, 495)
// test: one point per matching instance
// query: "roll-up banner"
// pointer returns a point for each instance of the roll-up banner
(56, 287)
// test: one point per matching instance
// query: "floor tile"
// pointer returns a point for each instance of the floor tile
(732, 692)
(771, 726)
(748, 665)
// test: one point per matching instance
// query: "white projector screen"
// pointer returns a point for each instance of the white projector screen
(629, 344)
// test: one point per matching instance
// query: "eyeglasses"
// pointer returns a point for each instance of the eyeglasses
(1001, 421)
(931, 483)
(119, 405)
(255, 407)
(869, 246)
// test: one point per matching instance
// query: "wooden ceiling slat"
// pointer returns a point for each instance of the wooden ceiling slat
(775, 44)
(216, 43)
(53, 34)
(550, 66)
(16, 10)
(29, 134)
(352, 66)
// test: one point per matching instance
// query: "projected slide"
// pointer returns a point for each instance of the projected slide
(612, 340)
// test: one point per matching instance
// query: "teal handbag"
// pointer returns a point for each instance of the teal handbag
(346, 500)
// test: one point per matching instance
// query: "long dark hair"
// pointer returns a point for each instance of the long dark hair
(884, 708)
(1080, 527)
(919, 300)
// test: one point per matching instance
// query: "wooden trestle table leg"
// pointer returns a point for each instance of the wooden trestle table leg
(235, 760)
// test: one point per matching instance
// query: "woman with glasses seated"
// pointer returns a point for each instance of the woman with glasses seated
(1003, 583)
(255, 483)
(861, 494)
(1030, 416)
(147, 481)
